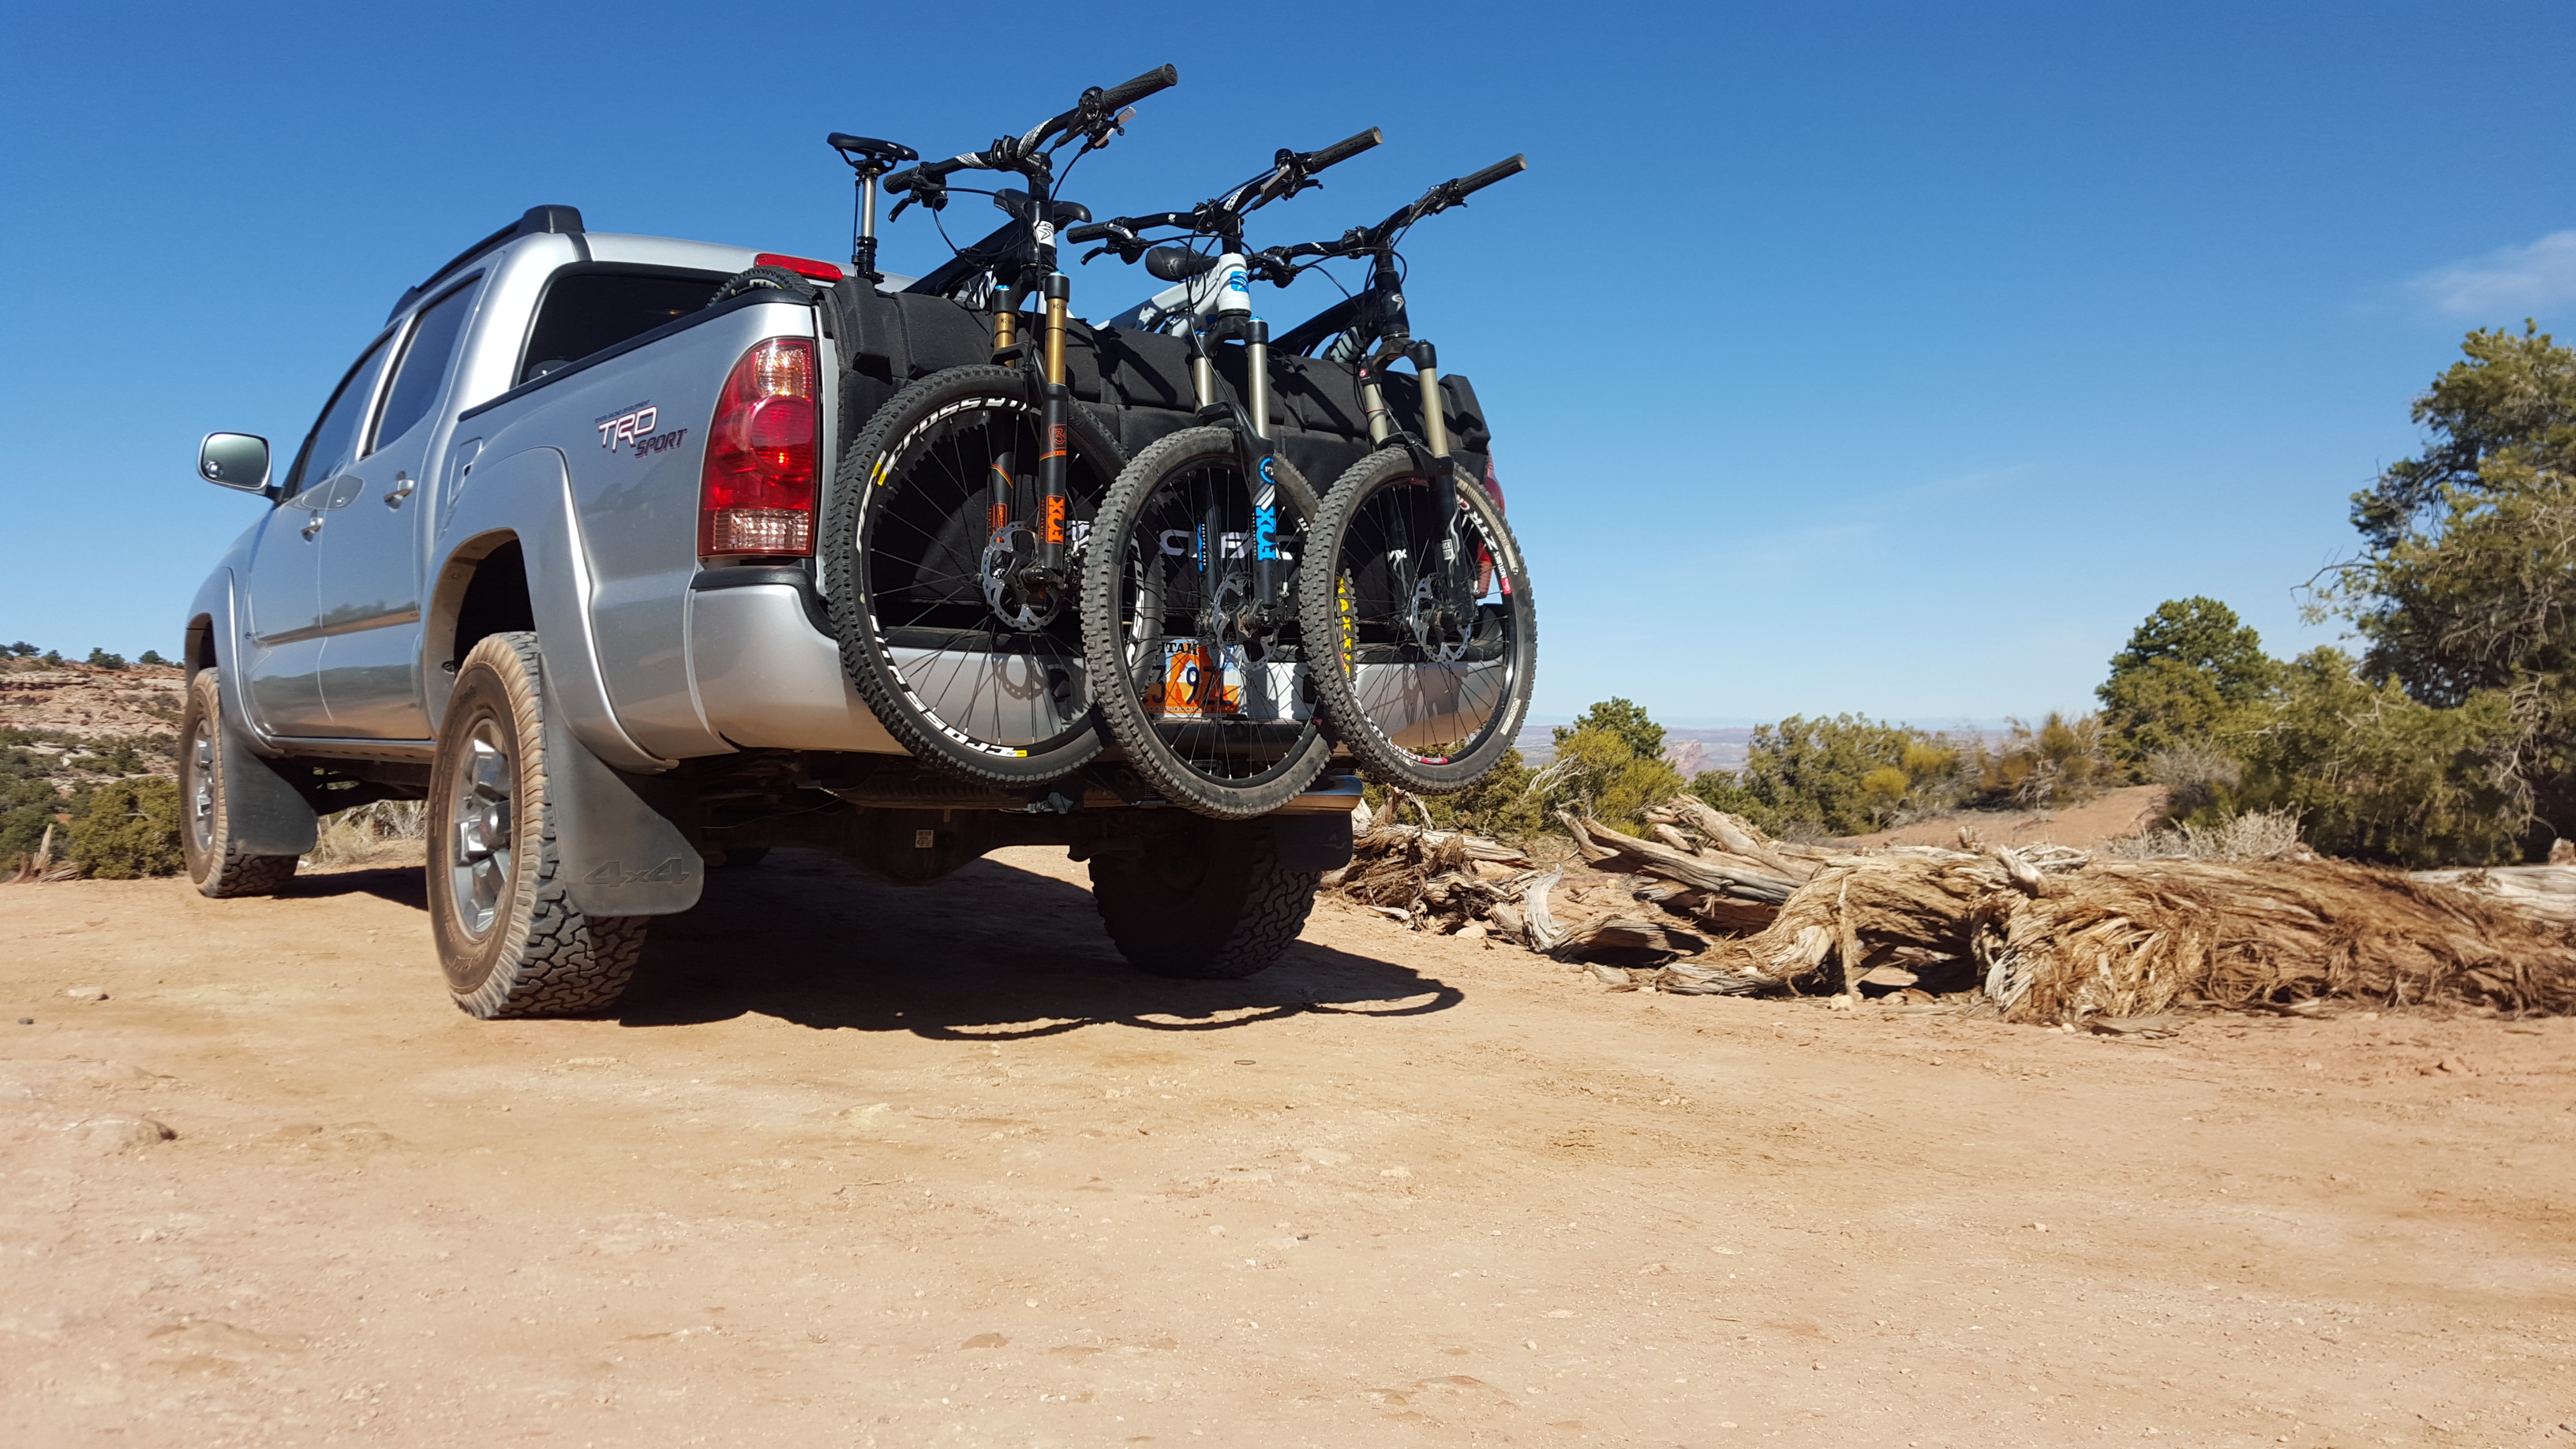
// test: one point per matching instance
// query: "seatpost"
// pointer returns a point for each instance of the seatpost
(863, 252)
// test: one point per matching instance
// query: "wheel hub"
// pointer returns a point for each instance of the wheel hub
(1015, 585)
(201, 794)
(484, 810)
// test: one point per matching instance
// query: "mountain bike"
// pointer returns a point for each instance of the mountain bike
(1189, 619)
(1415, 602)
(959, 510)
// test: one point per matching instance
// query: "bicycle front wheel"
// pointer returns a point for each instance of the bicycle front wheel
(969, 656)
(1197, 674)
(1423, 674)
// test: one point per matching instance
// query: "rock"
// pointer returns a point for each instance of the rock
(86, 993)
(1609, 975)
(106, 1136)
(1473, 931)
(1326, 1157)
(986, 1340)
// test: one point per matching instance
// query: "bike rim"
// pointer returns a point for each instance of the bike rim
(925, 548)
(1435, 684)
(484, 817)
(201, 787)
(1223, 701)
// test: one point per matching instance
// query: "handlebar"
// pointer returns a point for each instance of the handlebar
(1094, 117)
(1340, 151)
(1161, 78)
(1366, 241)
(1460, 188)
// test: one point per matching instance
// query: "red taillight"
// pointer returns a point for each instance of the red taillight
(758, 493)
(1494, 485)
(801, 266)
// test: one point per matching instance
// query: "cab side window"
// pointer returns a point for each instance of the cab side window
(333, 443)
(423, 368)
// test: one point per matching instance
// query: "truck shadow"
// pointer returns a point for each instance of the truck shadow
(993, 952)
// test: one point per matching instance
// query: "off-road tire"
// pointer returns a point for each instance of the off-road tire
(1318, 616)
(220, 867)
(764, 279)
(862, 472)
(538, 955)
(1113, 687)
(1212, 903)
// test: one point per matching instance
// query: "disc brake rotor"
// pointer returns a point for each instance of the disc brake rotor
(1016, 595)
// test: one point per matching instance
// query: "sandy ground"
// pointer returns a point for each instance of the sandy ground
(2107, 816)
(867, 1167)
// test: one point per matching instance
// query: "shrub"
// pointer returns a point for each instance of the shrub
(20, 650)
(28, 803)
(152, 657)
(130, 829)
(2061, 762)
(1842, 776)
(101, 659)
(2378, 775)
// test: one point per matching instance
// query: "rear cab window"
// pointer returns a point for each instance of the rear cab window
(590, 307)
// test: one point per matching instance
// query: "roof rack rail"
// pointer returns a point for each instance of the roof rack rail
(536, 221)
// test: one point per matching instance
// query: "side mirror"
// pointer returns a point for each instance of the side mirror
(234, 460)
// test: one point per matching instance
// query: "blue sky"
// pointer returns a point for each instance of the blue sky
(1893, 359)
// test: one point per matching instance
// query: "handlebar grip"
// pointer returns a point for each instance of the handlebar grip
(1487, 177)
(1341, 151)
(1096, 231)
(1162, 79)
(903, 180)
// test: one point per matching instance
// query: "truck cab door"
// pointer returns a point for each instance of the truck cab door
(372, 550)
(282, 668)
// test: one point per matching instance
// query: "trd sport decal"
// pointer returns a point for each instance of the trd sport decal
(636, 426)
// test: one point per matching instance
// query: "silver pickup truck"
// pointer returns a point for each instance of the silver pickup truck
(499, 575)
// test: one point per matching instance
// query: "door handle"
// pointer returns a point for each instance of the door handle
(312, 527)
(403, 484)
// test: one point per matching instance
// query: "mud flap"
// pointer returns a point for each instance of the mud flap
(619, 855)
(265, 814)
(1311, 842)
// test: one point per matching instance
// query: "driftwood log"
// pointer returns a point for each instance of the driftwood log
(2043, 933)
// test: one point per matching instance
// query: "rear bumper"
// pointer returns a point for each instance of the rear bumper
(765, 675)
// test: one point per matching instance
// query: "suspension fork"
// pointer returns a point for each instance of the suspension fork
(1444, 474)
(1055, 420)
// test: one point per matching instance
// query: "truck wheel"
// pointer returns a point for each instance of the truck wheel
(1212, 903)
(511, 943)
(218, 866)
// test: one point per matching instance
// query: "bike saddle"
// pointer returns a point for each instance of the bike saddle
(858, 149)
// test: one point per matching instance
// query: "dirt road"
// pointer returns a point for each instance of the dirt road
(859, 1166)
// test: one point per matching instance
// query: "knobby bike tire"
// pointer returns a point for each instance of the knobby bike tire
(1369, 547)
(904, 536)
(1147, 670)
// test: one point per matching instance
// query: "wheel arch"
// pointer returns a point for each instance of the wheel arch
(481, 590)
